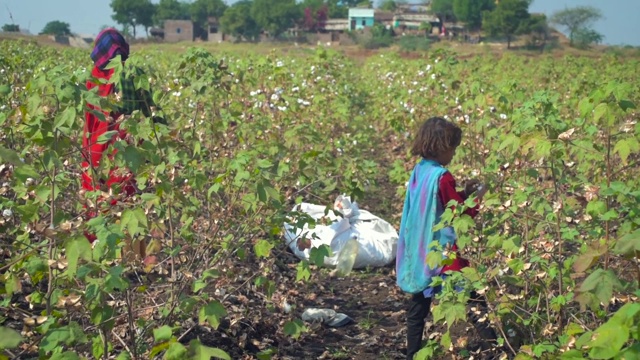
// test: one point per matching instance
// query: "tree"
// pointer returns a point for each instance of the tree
(133, 13)
(585, 37)
(201, 11)
(171, 10)
(238, 22)
(57, 28)
(470, 11)
(275, 16)
(10, 28)
(388, 5)
(443, 9)
(508, 19)
(337, 9)
(579, 18)
(538, 27)
(315, 20)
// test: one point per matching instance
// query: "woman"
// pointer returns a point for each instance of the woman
(108, 45)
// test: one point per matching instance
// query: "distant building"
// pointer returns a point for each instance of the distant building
(361, 18)
(338, 25)
(414, 20)
(178, 30)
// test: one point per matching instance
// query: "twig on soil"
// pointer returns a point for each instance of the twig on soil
(122, 342)
(506, 340)
(186, 332)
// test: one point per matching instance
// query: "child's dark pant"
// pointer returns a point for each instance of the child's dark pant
(419, 308)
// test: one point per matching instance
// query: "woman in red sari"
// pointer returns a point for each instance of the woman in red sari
(108, 45)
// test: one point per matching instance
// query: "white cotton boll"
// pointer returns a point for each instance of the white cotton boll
(474, 173)
(410, 91)
(29, 182)
(503, 116)
(412, 110)
(7, 213)
(253, 93)
(275, 97)
(282, 108)
(433, 76)
(279, 64)
(466, 119)
(295, 89)
(286, 307)
(429, 67)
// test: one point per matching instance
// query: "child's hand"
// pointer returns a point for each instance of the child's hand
(471, 186)
(475, 187)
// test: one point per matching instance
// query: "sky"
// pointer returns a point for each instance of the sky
(620, 25)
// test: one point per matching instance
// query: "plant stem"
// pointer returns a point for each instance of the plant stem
(51, 239)
(606, 223)
(132, 330)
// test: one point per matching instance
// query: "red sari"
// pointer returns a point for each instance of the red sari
(93, 151)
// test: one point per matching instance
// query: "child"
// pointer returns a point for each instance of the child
(429, 190)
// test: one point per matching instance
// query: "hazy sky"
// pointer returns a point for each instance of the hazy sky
(621, 23)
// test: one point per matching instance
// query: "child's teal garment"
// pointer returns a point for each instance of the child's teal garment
(421, 212)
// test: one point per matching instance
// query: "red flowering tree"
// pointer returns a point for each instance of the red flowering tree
(315, 21)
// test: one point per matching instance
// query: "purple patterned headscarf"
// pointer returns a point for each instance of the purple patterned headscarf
(108, 45)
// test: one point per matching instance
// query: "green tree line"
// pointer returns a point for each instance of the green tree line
(247, 18)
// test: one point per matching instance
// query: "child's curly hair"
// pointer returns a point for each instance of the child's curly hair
(435, 136)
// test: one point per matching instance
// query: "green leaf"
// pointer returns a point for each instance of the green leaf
(601, 283)
(202, 352)
(10, 156)
(133, 220)
(628, 244)
(266, 354)
(67, 355)
(303, 271)
(97, 347)
(294, 328)
(212, 313)
(65, 335)
(76, 248)
(573, 329)
(163, 333)
(426, 353)
(610, 337)
(572, 355)
(9, 338)
(23, 172)
(450, 312)
(626, 105)
(317, 254)
(124, 356)
(262, 248)
(133, 158)
(445, 341)
(106, 137)
(600, 111)
(176, 351)
(434, 259)
(66, 118)
(623, 149)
